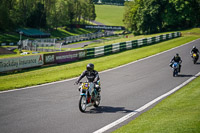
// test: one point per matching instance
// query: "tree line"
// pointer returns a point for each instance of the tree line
(44, 13)
(151, 16)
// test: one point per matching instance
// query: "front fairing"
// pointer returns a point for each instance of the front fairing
(84, 88)
(175, 65)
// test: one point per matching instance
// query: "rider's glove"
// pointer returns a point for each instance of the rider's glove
(76, 82)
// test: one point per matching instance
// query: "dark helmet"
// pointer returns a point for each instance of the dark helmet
(194, 46)
(90, 67)
(177, 54)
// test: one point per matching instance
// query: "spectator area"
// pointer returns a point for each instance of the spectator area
(34, 33)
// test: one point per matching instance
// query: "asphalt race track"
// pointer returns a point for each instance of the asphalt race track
(54, 108)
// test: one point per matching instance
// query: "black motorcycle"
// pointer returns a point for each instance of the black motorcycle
(195, 57)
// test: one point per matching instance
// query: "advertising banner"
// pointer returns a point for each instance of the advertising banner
(49, 58)
(102, 27)
(69, 56)
(8, 64)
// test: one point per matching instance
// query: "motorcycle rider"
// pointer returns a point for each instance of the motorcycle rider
(92, 76)
(177, 59)
(194, 50)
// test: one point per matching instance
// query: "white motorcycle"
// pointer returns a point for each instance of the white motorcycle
(90, 96)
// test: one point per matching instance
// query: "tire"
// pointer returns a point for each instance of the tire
(97, 101)
(82, 103)
(195, 61)
(175, 73)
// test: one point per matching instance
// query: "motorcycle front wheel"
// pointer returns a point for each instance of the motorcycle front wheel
(82, 103)
(195, 61)
(175, 72)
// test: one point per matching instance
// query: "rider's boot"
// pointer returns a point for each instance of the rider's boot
(179, 70)
(93, 96)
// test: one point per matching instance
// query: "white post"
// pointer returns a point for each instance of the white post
(60, 46)
(20, 41)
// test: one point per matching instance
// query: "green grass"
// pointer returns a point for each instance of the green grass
(61, 32)
(110, 15)
(9, 37)
(179, 113)
(64, 71)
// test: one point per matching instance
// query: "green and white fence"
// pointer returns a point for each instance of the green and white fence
(117, 47)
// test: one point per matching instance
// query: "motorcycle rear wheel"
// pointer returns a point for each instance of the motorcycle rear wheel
(82, 103)
(97, 102)
(195, 61)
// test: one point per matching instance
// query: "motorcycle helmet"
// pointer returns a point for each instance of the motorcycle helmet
(194, 46)
(177, 54)
(90, 67)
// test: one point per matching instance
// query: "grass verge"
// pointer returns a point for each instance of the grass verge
(179, 113)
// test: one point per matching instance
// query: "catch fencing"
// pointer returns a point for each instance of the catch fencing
(10, 64)
(89, 36)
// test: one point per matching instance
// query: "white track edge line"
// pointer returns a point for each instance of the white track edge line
(99, 72)
(126, 117)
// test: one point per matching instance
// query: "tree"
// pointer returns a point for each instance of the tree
(181, 13)
(37, 18)
(91, 10)
(44, 13)
(4, 16)
(150, 16)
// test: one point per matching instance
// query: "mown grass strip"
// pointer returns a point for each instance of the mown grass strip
(179, 113)
(110, 15)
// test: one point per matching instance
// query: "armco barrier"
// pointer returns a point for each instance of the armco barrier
(107, 49)
(128, 45)
(90, 52)
(122, 46)
(99, 51)
(134, 44)
(140, 42)
(117, 47)
(8, 64)
(144, 41)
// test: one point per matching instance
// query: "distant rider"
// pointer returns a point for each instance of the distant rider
(177, 59)
(92, 76)
(194, 50)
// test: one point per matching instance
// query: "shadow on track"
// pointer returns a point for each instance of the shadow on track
(185, 75)
(108, 109)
